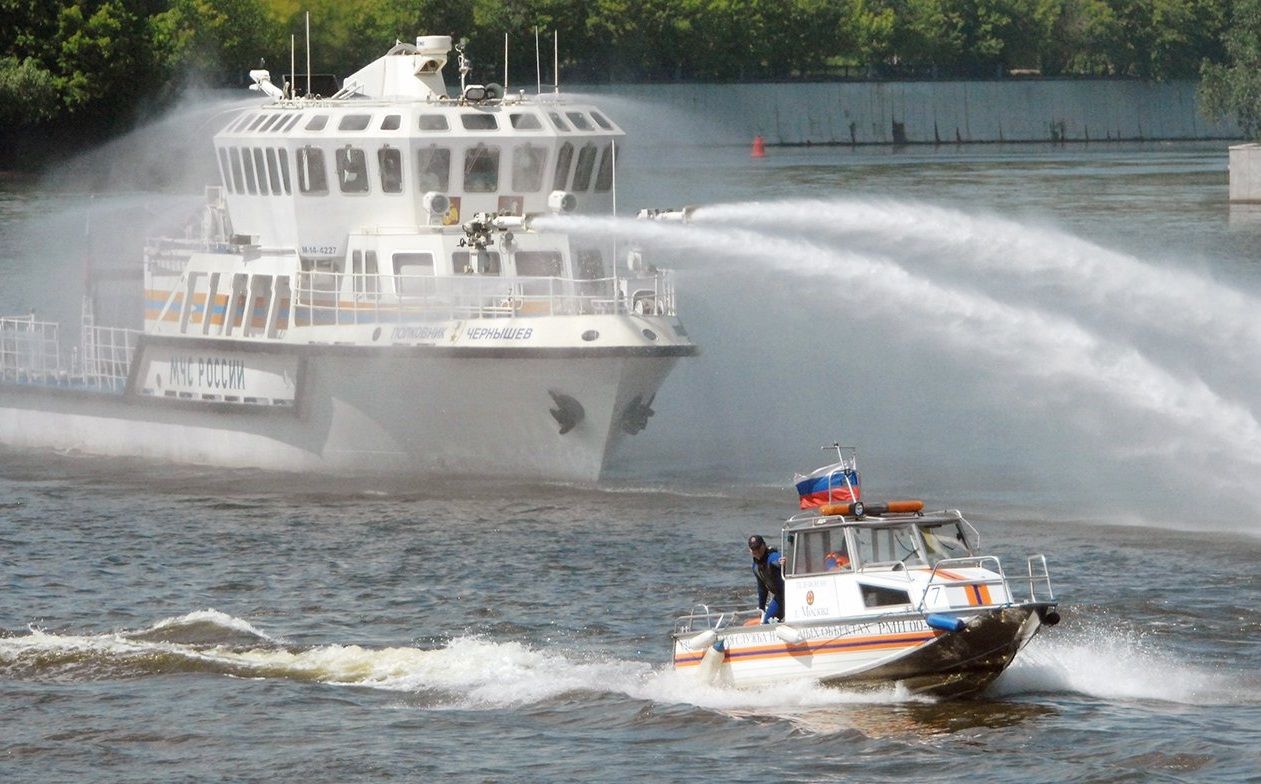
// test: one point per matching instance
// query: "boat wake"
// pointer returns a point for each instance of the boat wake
(474, 673)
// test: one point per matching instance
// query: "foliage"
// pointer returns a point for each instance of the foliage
(1234, 89)
(27, 93)
(102, 58)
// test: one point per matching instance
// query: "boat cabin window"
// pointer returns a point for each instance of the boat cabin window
(244, 121)
(481, 169)
(433, 122)
(225, 169)
(527, 167)
(312, 178)
(352, 170)
(247, 160)
(238, 181)
(887, 545)
(601, 121)
(558, 122)
(354, 122)
(582, 171)
(271, 120)
(413, 272)
(392, 122)
(881, 596)
(539, 263)
(317, 122)
(525, 121)
(433, 166)
(563, 159)
(945, 541)
(261, 167)
(604, 176)
(481, 262)
(284, 170)
(257, 122)
(821, 550)
(282, 127)
(273, 170)
(390, 162)
(580, 121)
(479, 121)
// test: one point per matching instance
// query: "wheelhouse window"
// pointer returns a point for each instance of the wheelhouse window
(527, 167)
(525, 121)
(284, 170)
(822, 550)
(244, 121)
(354, 122)
(601, 121)
(392, 122)
(364, 272)
(273, 170)
(257, 122)
(289, 125)
(557, 122)
(580, 121)
(261, 167)
(238, 180)
(945, 541)
(539, 263)
(589, 264)
(317, 122)
(582, 171)
(433, 122)
(352, 170)
(480, 262)
(413, 271)
(481, 169)
(563, 159)
(272, 120)
(604, 175)
(479, 121)
(433, 169)
(887, 545)
(312, 177)
(390, 162)
(225, 169)
(247, 161)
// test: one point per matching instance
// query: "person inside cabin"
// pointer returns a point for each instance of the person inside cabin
(768, 567)
(836, 560)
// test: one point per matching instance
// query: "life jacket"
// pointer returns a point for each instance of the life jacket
(835, 561)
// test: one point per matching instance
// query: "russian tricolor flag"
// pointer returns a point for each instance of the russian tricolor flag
(828, 484)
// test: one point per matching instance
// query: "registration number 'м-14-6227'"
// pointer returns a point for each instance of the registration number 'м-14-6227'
(319, 250)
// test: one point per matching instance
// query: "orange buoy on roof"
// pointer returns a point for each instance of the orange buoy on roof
(759, 147)
(859, 508)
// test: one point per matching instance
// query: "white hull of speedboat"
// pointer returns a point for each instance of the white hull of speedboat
(902, 650)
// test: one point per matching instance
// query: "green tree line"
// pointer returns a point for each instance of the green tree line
(93, 62)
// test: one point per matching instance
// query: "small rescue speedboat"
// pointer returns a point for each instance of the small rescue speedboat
(875, 594)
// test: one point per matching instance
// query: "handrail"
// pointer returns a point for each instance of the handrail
(1034, 580)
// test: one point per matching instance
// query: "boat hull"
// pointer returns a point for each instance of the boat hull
(409, 412)
(870, 653)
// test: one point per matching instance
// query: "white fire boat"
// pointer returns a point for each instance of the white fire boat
(367, 292)
(874, 594)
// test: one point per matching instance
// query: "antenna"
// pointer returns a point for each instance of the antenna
(538, 69)
(293, 77)
(308, 54)
(555, 62)
(505, 65)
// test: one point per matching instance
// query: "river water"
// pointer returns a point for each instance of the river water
(1059, 341)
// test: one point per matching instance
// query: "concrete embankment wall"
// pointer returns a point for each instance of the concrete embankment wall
(945, 112)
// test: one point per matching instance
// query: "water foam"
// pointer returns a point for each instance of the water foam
(1113, 663)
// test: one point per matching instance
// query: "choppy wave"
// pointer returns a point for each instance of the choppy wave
(471, 672)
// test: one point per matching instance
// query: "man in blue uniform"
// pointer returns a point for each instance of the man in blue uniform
(768, 569)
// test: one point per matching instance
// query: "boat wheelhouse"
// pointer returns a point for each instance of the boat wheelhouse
(369, 289)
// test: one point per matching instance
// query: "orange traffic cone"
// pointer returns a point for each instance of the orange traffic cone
(759, 147)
